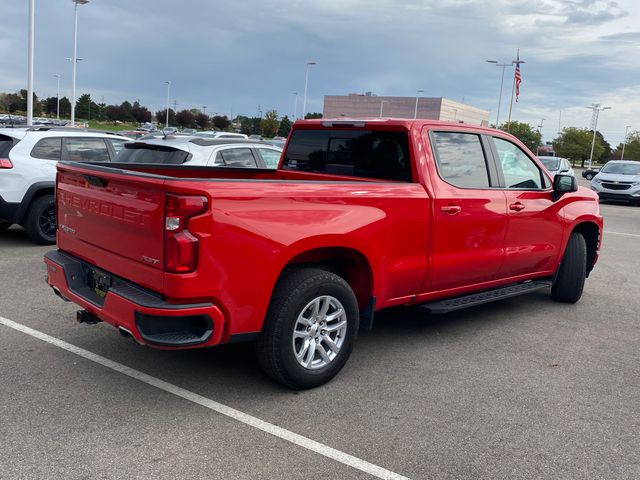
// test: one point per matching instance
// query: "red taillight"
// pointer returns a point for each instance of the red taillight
(180, 245)
(5, 163)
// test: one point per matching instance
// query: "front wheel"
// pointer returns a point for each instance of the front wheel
(4, 225)
(309, 330)
(572, 272)
(40, 223)
(589, 176)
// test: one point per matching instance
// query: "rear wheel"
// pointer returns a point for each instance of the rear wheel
(572, 273)
(41, 220)
(4, 225)
(309, 330)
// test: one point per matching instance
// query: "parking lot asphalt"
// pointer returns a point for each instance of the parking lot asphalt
(522, 388)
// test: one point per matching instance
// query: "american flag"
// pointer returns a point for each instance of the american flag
(518, 78)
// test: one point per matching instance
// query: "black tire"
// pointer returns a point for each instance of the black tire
(589, 176)
(4, 225)
(572, 272)
(275, 346)
(40, 223)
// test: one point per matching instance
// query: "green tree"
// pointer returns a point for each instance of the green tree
(139, 113)
(608, 152)
(116, 113)
(65, 107)
(246, 125)
(525, 133)
(312, 115)
(631, 149)
(269, 124)
(575, 144)
(83, 106)
(285, 127)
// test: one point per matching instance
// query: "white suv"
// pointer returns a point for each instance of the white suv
(28, 158)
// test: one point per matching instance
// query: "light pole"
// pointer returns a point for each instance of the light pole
(504, 66)
(204, 109)
(32, 7)
(57, 75)
(415, 110)
(382, 105)
(74, 59)
(295, 106)
(596, 109)
(166, 123)
(624, 144)
(306, 82)
(541, 124)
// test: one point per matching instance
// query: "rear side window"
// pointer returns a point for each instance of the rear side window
(237, 157)
(48, 149)
(460, 159)
(146, 153)
(86, 149)
(356, 153)
(6, 144)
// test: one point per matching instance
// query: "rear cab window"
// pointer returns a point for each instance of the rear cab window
(371, 154)
(151, 154)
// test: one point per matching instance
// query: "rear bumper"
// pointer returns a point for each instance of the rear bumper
(9, 211)
(147, 316)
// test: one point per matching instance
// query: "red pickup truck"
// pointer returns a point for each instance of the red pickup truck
(361, 215)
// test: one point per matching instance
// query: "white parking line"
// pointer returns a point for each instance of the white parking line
(620, 233)
(245, 418)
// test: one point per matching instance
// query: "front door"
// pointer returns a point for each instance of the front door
(535, 225)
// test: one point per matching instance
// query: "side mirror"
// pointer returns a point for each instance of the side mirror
(563, 184)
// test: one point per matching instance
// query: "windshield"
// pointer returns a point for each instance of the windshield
(621, 168)
(550, 163)
(144, 153)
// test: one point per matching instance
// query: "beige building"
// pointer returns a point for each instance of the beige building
(356, 105)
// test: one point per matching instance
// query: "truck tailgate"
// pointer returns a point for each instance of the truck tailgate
(114, 218)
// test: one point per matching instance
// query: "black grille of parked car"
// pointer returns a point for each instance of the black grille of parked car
(616, 186)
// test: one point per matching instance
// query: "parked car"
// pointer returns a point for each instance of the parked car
(197, 151)
(360, 216)
(277, 141)
(589, 173)
(618, 180)
(218, 134)
(132, 134)
(28, 159)
(557, 165)
(189, 131)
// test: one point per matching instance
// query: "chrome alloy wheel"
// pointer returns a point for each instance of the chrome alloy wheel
(319, 332)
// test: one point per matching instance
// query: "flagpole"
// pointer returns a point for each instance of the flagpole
(517, 63)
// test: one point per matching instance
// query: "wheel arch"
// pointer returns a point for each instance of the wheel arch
(591, 233)
(35, 191)
(349, 263)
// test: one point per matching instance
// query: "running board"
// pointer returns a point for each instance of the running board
(466, 301)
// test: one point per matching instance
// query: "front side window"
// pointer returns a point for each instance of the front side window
(48, 149)
(356, 153)
(460, 159)
(271, 157)
(518, 169)
(238, 157)
(87, 150)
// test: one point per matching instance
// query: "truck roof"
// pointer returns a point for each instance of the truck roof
(391, 122)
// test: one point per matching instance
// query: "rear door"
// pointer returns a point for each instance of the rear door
(469, 211)
(535, 225)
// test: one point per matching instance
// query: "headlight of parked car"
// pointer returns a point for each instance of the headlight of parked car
(596, 180)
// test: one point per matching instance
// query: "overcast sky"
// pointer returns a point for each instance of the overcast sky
(234, 56)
